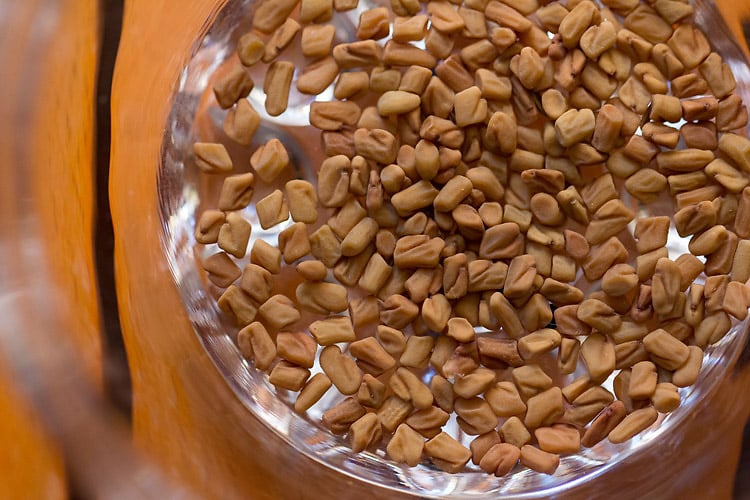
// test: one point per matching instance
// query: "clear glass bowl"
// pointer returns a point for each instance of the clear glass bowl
(184, 193)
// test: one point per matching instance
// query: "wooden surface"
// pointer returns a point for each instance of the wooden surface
(184, 414)
(50, 78)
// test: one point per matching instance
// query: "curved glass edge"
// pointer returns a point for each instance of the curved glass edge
(179, 200)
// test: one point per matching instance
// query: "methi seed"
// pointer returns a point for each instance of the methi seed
(470, 198)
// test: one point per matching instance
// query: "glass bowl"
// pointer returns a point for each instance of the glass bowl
(184, 192)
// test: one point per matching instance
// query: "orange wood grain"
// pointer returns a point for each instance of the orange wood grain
(58, 145)
(184, 413)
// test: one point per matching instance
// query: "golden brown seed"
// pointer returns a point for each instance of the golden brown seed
(221, 270)
(544, 408)
(642, 380)
(255, 343)
(340, 417)
(599, 315)
(317, 40)
(404, 54)
(333, 330)
(372, 392)
(208, 226)
(340, 368)
(603, 424)
(561, 439)
(311, 393)
(234, 235)
(666, 287)
(406, 446)
(632, 424)
(538, 342)
(538, 460)
(233, 86)
(279, 312)
(447, 453)
(296, 347)
(666, 398)
(365, 432)
(666, 351)
(419, 251)
(506, 315)
(276, 86)
(469, 107)
(619, 280)
(500, 458)
(294, 242)
(282, 37)
(608, 220)
(288, 376)
(241, 122)
(250, 49)
(212, 158)
(475, 415)
(363, 54)
(270, 160)
(599, 355)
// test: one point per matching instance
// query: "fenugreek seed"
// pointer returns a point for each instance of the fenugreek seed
(598, 315)
(646, 264)
(501, 241)
(736, 299)
(544, 408)
(632, 424)
(642, 380)
(666, 398)
(608, 220)
(340, 368)
(619, 280)
(500, 458)
(255, 343)
(296, 347)
(250, 49)
(208, 226)
(256, 282)
(666, 287)
(234, 235)
(666, 350)
(276, 85)
(599, 355)
(447, 453)
(603, 257)
(732, 114)
(404, 54)
(408, 387)
(520, 277)
(333, 330)
(340, 417)
(241, 122)
(311, 393)
(575, 23)
(288, 376)
(708, 241)
(712, 328)
(603, 424)
(587, 406)
(398, 311)
(294, 242)
(270, 160)
(359, 237)
(405, 446)
(531, 380)
(351, 84)
(365, 432)
(212, 158)
(362, 54)
(506, 315)
(567, 358)
(428, 421)
(454, 74)
(561, 439)
(419, 251)
(372, 392)
(514, 432)
(338, 143)
(266, 256)
(282, 37)
(475, 416)
(470, 107)
(233, 86)
(322, 298)
(651, 233)
(221, 270)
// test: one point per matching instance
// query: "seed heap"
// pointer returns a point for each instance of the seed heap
(473, 184)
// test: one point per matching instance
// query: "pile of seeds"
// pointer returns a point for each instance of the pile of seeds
(484, 170)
